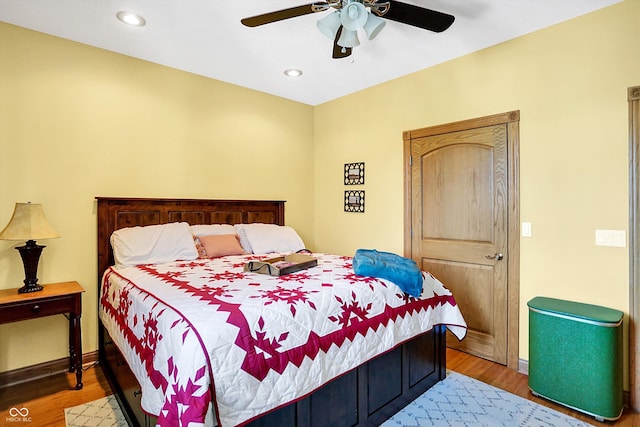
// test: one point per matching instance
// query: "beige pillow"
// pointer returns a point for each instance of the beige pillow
(221, 245)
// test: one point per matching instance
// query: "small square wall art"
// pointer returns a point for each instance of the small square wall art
(354, 201)
(354, 173)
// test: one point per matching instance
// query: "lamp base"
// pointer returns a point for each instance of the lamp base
(30, 288)
(30, 254)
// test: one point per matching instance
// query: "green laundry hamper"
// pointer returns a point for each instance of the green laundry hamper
(575, 356)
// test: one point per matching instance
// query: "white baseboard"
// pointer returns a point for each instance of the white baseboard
(523, 366)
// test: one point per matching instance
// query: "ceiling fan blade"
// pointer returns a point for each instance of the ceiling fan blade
(339, 51)
(279, 15)
(418, 16)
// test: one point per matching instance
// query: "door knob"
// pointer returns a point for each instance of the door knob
(497, 256)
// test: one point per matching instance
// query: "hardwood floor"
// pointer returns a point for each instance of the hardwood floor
(46, 398)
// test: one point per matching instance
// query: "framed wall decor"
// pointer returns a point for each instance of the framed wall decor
(354, 173)
(354, 201)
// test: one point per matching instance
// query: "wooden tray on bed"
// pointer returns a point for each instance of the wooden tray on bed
(279, 266)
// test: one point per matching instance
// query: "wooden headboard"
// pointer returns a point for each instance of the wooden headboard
(116, 212)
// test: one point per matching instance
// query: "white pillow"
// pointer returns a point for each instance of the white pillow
(266, 238)
(212, 229)
(242, 235)
(153, 244)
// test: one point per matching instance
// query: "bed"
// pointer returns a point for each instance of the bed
(365, 385)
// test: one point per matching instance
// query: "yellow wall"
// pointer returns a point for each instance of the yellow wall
(78, 122)
(570, 84)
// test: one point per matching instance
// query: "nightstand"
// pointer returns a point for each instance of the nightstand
(55, 298)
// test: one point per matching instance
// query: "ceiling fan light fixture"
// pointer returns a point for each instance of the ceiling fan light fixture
(353, 16)
(373, 26)
(329, 25)
(348, 38)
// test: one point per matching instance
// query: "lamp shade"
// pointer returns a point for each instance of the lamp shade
(373, 26)
(348, 38)
(28, 223)
(329, 25)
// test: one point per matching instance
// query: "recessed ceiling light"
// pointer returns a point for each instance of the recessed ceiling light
(131, 18)
(293, 72)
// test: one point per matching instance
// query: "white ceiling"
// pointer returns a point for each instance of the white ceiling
(206, 37)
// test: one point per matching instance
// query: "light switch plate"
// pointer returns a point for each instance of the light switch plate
(615, 238)
(526, 229)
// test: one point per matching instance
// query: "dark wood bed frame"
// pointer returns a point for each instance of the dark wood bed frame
(365, 396)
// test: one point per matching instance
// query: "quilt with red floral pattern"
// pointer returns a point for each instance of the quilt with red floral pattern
(210, 343)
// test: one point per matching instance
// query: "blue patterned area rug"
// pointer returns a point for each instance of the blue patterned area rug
(460, 401)
(104, 412)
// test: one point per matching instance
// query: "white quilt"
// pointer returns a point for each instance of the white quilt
(256, 341)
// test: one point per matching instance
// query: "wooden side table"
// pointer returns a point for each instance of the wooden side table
(55, 298)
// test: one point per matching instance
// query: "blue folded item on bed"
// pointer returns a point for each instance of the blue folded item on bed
(402, 271)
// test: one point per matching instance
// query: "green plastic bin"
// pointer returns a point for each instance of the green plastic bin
(575, 356)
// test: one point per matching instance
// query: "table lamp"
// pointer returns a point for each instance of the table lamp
(28, 223)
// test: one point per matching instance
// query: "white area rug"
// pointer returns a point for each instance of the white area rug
(460, 401)
(456, 401)
(103, 412)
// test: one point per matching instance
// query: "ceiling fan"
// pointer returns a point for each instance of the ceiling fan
(349, 16)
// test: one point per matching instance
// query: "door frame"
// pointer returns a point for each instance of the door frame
(633, 96)
(512, 120)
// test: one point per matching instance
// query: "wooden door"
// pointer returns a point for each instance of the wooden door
(459, 225)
